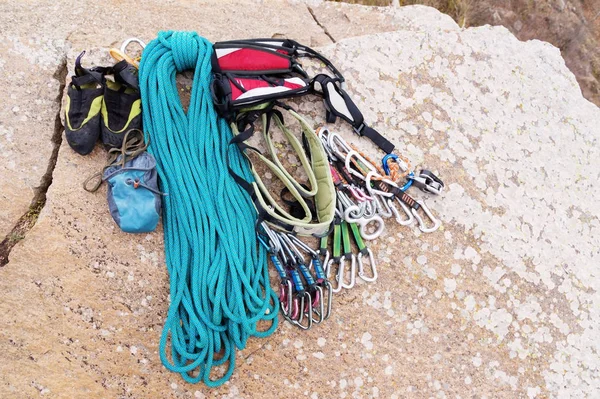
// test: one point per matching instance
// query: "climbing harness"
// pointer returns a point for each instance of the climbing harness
(252, 72)
(218, 271)
(250, 78)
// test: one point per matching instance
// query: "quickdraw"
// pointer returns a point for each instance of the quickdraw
(302, 295)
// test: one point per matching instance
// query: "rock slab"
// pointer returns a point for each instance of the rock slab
(502, 302)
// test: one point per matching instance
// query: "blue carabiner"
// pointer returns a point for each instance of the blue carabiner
(263, 242)
(386, 169)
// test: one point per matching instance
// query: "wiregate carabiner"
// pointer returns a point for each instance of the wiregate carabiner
(324, 286)
(289, 307)
(364, 162)
(317, 305)
(329, 291)
(381, 203)
(324, 252)
(361, 270)
(334, 142)
(363, 250)
(342, 264)
(323, 135)
(305, 309)
(352, 273)
(409, 216)
(422, 226)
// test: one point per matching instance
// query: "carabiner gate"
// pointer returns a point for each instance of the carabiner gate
(318, 306)
(422, 226)
(352, 273)
(341, 264)
(409, 216)
(361, 270)
(305, 309)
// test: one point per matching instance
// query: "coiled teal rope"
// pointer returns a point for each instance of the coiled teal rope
(219, 283)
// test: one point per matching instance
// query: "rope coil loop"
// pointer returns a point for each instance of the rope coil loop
(219, 282)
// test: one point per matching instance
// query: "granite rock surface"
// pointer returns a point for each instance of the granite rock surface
(501, 302)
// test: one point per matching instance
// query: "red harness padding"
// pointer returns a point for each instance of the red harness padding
(247, 87)
(238, 59)
(256, 71)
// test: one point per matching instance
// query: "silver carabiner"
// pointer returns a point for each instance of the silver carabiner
(352, 274)
(409, 216)
(299, 243)
(341, 264)
(370, 210)
(335, 141)
(288, 310)
(303, 310)
(422, 226)
(325, 262)
(127, 42)
(320, 311)
(361, 270)
(327, 285)
(379, 200)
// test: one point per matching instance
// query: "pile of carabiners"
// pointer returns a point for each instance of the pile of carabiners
(302, 302)
(367, 194)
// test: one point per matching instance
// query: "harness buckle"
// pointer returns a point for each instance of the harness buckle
(359, 129)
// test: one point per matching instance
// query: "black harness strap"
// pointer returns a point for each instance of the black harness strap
(339, 104)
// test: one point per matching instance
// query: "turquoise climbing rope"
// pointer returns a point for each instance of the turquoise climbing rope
(219, 283)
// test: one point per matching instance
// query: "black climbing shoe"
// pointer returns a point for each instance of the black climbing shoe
(84, 102)
(122, 106)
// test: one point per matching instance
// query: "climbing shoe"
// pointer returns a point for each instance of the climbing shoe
(122, 105)
(82, 111)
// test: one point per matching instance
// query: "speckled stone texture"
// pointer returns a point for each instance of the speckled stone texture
(502, 302)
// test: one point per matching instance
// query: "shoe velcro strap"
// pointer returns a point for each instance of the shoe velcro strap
(126, 74)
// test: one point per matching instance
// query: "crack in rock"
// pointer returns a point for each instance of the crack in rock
(28, 220)
(312, 13)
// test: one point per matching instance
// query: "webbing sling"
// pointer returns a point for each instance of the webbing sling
(219, 282)
(320, 187)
